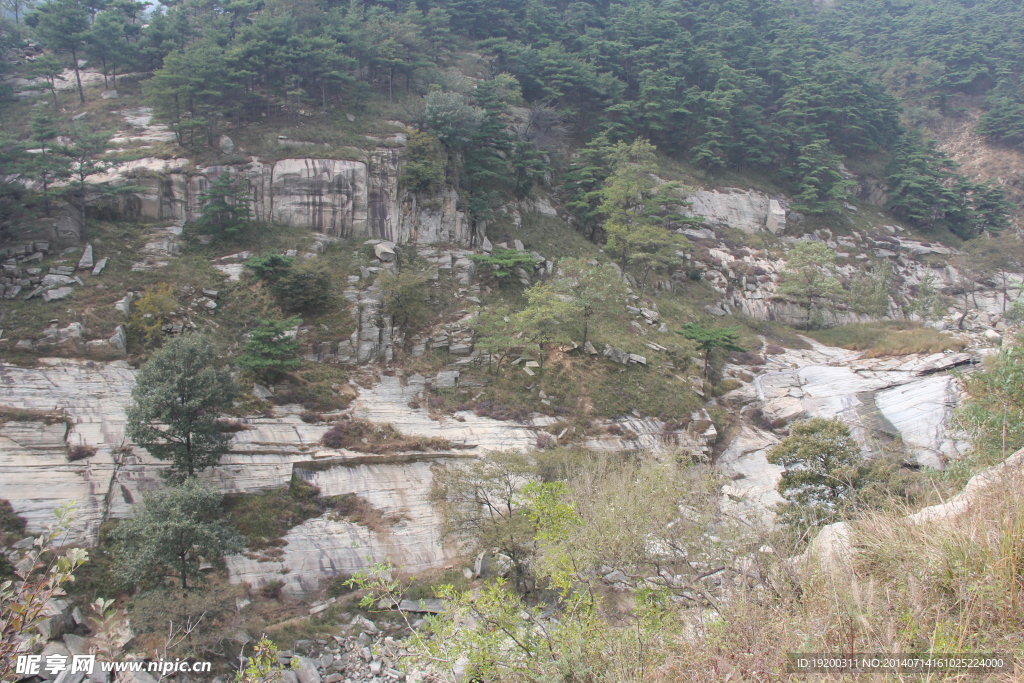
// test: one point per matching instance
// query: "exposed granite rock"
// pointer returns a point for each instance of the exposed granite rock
(746, 210)
(326, 546)
(86, 262)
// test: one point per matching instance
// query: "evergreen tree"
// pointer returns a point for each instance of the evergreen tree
(227, 212)
(810, 276)
(504, 262)
(709, 339)
(48, 68)
(595, 291)
(178, 396)
(823, 469)
(636, 209)
(270, 351)
(170, 534)
(86, 153)
(62, 25)
(50, 166)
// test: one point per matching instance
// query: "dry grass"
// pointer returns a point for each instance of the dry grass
(368, 437)
(897, 338)
(12, 414)
(949, 586)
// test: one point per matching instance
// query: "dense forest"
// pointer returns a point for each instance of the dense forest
(741, 85)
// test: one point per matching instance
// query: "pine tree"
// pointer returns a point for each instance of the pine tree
(62, 25)
(810, 276)
(227, 212)
(178, 396)
(86, 153)
(709, 339)
(270, 351)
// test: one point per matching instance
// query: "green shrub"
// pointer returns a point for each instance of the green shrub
(503, 263)
(269, 351)
(424, 167)
(263, 518)
(269, 267)
(10, 522)
(305, 287)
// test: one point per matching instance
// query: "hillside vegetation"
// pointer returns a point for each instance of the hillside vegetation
(571, 301)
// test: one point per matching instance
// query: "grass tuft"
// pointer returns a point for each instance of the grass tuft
(894, 338)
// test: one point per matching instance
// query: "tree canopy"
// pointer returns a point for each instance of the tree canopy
(176, 402)
(171, 532)
(708, 339)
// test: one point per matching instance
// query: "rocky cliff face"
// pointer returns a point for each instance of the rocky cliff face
(36, 473)
(339, 198)
(748, 279)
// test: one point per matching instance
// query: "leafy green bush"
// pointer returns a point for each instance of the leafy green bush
(306, 287)
(227, 212)
(263, 518)
(503, 263)
(823, 468)
(424, 167)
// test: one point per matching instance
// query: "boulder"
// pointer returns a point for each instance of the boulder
(108, 95)
(76, 644)
(116, 346)
(86, 262)
(124, 305)
(52, 649)
(776, 221)
(227, 146)
(62, 339)
(746, 210)
(446, 379)
(616, 355)
(306, 670)
(615, 577)
(56, 294)
(52, 279)
(56, 620)
(490, 564)
(100, 265)
(385, 251)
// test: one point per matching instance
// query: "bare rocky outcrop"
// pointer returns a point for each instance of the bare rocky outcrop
(746, 210)
(36, 474)
(339, 198)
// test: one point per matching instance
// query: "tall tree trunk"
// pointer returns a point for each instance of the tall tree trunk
(83, 237)
(184, 570)
(78, 76)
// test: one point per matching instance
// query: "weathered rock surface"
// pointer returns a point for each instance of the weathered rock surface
(35, 474)
(347, 199)
(900, 391)
(745, 210)
(408, 534)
